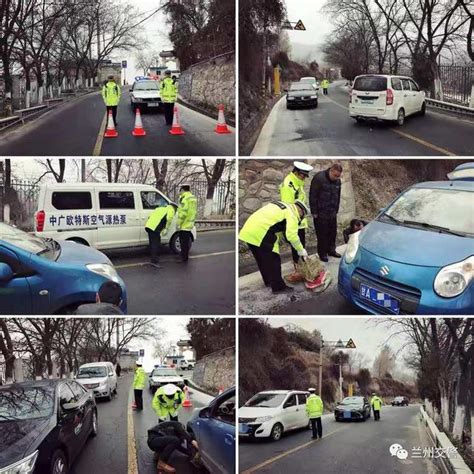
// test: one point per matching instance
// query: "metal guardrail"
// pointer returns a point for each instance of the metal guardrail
(30, 111)
(9, 121)
(449, 107)
(205, 224)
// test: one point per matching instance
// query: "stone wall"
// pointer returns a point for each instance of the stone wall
(259, 182)
(210, 83)
(216, 370)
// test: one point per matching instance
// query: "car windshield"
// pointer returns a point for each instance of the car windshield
(20, 403)
(352, 401)
(370, 83)
(146, 86)
(91, 372)
(307, 80)
(301, 86)
(164, 372)
(266, 400)
(448, 210)
(46, 248)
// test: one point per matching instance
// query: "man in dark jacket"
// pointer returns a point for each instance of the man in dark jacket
(324, 200)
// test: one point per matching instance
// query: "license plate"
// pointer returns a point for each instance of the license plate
(153, 104)
(243, 428)
(367, 101)
(347, 414)
(384, 300)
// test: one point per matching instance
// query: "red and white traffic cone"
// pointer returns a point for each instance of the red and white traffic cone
(110, 132)
(138, 131)
(187, 403)
(176, 127)
(221, 126)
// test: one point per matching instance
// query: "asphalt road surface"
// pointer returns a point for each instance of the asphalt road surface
(205, 285)
(348, 447)
(329, 131)
(77, 128)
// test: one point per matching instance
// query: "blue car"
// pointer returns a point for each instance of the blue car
(213, 427)
(417, 256)
(43, 276)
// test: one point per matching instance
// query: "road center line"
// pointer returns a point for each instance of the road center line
(132, 449)
(100, 138)
(286, 453)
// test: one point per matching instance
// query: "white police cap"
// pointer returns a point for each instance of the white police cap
(302, 167)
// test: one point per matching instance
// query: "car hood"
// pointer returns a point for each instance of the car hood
(146, 94)
(74, 253)
(305, 93)
(92, 380)
(20, 438)
(257, 412)
(413, 246)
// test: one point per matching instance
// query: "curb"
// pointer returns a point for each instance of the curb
(199, 389)
(207, 112)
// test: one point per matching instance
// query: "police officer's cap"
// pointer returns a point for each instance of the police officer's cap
(138, 363)
(302, 167)
(311, 390)
(303, 207)
(170, 389)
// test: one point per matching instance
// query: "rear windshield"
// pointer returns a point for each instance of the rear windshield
(162, 372)
(266, 400)
(91, 372)
(301, 86)
(352, 401)
(146, 86)
(26, 403)
(370, 83)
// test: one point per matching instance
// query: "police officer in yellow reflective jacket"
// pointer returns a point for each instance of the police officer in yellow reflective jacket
(158, 225)
(139, 385)
(263, 231)
(325, 86)
(376, 403)
(169, 95)
(167, 401)
(187, 212)
(314, 410)
(111, 93)
(291, 190)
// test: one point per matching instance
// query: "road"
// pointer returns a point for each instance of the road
(205, 285)
(329, 131)
(345, 447)
(77, 127)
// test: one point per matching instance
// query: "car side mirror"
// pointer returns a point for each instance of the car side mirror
(130, 90)
(205, 413)
(111, 374)
(69, 406)
(6, 273)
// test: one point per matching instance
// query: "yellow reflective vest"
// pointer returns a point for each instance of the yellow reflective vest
(266, 226)
(187, 211)
(156, 218)
(291, 190)
(324, 83)
(376, 402)
(111, 94)
(139, 379)
(164, 405)
(168, 90)
(314, 406)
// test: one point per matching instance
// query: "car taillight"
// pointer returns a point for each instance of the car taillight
(40, 218)
(389, 97)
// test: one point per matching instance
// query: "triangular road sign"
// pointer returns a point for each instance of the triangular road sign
(299, 26)
(286, 25)
(350, 344)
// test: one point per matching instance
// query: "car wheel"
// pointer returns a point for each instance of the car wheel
(423, 109)
(358, 120)
(109, 396)
(401, 117)
(59, 464)
(94, 427)
(175, 244)
(277, 432)
(316, 104)
(288, 107)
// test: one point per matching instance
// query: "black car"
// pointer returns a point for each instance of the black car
(352, 408)
(400, 402)
(301, 94)
(44, 425)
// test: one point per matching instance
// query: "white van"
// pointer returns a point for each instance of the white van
(101, 215)
(98, 377)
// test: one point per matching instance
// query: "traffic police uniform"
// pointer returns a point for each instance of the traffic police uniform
(325, 85)
(291, 190)
(314, 410)
(167, 401)
(187, 212)
(376, 403)
(157, 224)
(262, 232)
(169, 95)
(111, 94)
(139, 386)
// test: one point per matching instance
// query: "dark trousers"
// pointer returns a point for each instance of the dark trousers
(326, 230)
(113, 108)
(302, 236)
(317, 427)
(164, 446)
(154, 238)
(185, 239)
(325, 91)
(269, 264)
(376, 415)
(138, 398)
(168, 107)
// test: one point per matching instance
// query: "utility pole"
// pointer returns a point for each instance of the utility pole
(320, 385)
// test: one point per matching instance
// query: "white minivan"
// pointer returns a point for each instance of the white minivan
(101, 215)
(269, 414)
(383, 97)
(98, 377)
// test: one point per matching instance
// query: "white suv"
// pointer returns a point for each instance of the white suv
(269, 414)
(98, 377)
(382, 97)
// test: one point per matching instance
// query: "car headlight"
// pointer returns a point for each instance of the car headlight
(313, 96)
(104, 269)
(263, 419)
(352, 247)
(290, 98)
(25, 466)
(453, 279)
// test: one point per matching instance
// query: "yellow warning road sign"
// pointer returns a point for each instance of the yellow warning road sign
(350, 344)
(299, 26)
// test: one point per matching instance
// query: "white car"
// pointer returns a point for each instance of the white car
(98, 377)
(101, 215)
(163, 375)
(186, 364)
(271, 413)
(311, 80)
(145, 94)
(382, 97)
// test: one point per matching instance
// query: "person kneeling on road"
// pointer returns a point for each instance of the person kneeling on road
(262, 232)
(108, 299)
(187, 212)
(167, 402)
(158, 225)
(376, 403)
(139, 386)
(354, 226)
(314, 410)
(167, 437)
